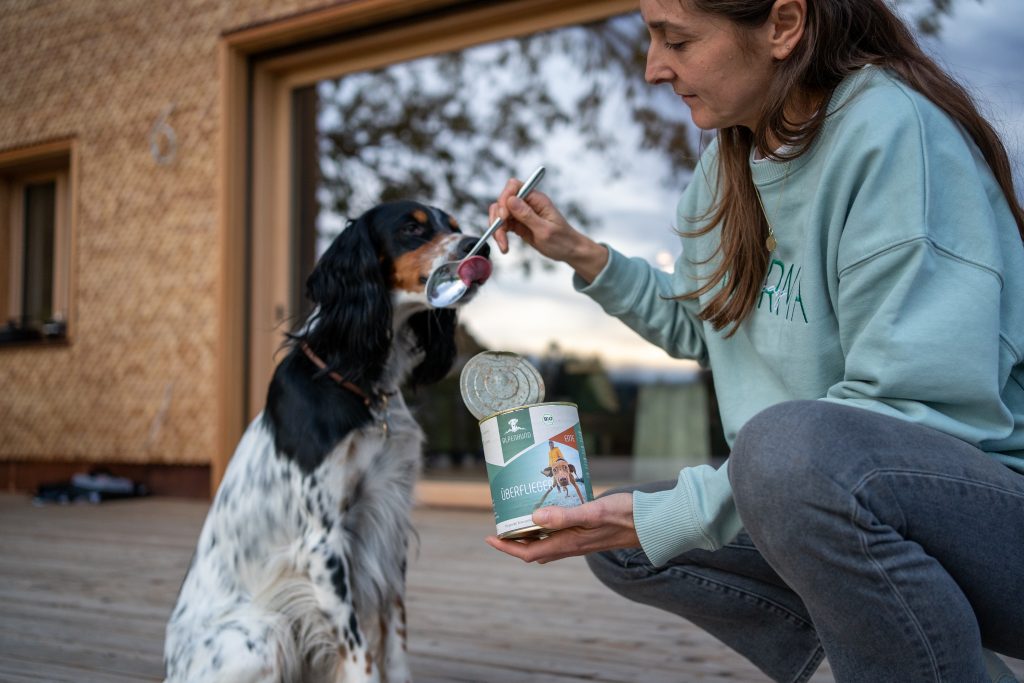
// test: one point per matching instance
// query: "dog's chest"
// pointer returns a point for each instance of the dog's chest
(383, 455)
(362, 490)
(371, 479)
(368, 480)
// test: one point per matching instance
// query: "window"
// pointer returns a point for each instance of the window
(35, 242)
(444, 109)
(448, 128)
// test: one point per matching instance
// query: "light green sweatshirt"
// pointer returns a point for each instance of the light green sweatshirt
(897, 286)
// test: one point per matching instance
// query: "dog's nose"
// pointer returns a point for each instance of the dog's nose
(466, 244)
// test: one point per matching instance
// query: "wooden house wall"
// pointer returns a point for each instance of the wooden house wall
(137, 381)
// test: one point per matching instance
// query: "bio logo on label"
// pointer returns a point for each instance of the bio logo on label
(516, 431)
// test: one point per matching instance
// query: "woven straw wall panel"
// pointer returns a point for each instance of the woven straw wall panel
(138, 382)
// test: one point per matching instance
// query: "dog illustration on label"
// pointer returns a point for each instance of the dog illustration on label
(562, 473)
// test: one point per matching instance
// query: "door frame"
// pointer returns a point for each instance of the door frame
(260, 66)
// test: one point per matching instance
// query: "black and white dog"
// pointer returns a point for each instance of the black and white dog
(299, 573)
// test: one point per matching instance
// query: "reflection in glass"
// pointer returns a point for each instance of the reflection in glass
(451, 128)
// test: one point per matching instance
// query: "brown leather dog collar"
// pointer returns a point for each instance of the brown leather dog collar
(381, 398)
(378, 402)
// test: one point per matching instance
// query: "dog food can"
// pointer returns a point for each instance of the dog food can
(533, 450)
(535, 457)
(493, 381)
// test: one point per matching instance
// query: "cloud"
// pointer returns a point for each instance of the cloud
(982, 45)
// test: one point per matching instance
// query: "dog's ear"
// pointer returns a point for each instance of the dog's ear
(435, 335)
(350, 267)
(546, 471)
(352, 327)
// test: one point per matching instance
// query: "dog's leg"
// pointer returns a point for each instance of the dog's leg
(350, 658)
(396, 660)
(544, 497)
(233, 652)
(578, 492)
(388, 662)
(356, 666)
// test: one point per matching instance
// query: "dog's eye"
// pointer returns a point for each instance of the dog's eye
(414, 229)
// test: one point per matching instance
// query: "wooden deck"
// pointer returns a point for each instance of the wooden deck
(86, 590)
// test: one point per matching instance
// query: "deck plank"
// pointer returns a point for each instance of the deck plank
(86, 592)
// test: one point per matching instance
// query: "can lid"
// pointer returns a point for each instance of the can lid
(493, 381)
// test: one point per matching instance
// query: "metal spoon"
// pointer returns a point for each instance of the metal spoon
(444, 286)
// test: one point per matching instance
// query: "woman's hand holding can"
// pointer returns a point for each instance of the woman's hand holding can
(603, 524)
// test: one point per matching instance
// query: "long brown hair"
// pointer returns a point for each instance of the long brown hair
(840, 37)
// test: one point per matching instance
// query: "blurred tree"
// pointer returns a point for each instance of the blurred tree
(451, 126)
(447, 128)
(927, 15)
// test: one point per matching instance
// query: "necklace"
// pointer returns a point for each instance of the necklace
(770, 242)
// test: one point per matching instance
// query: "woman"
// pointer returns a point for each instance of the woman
(853, 273)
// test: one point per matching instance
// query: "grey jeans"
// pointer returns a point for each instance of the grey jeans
(896, 550)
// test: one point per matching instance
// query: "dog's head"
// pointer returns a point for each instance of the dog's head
(372, 280)
(564, 473)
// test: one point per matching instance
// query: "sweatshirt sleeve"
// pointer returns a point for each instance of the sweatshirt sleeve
(698, 513)
(639, 295)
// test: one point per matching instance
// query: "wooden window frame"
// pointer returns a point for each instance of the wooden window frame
(19, 168)
(260, 66)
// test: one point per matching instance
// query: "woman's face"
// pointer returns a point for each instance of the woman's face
(705, 59)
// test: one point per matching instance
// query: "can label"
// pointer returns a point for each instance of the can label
(535, 457)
